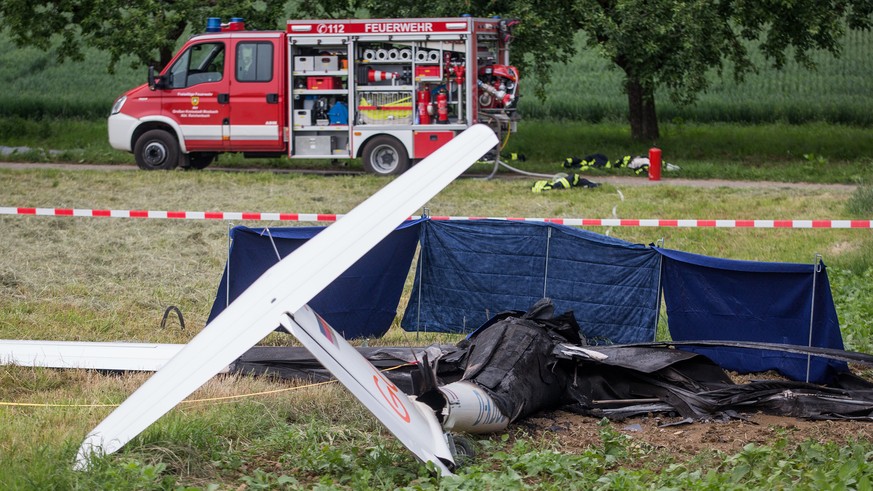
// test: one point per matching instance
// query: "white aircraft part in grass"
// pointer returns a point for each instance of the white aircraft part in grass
(146, 357)
(285, 288)
(412, 422)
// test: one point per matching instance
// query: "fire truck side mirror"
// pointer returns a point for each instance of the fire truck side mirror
(151, 78)
(155, 81)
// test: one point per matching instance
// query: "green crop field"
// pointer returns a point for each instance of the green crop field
(35, 84)
(840, 90)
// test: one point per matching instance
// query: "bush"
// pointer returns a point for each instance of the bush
(861, 202)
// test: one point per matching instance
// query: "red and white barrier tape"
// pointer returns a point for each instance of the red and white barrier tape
(324, 217)
(178, 215)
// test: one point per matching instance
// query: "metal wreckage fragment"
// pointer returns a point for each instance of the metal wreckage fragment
(520, 363)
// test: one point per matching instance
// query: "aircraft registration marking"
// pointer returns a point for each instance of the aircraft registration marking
(326, 330)
(390, 396)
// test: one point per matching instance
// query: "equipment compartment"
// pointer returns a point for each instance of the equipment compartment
(427, 142)
(314, 145)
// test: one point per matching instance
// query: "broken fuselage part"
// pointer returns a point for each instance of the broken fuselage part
(412, 422)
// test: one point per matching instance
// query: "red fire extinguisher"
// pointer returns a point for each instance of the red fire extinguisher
(423, 102)
(442, 107)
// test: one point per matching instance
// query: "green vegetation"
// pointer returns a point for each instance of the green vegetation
(53, 106)
(813, 152)
(776, 152)
(111, 279)
(839, 91)
(322, 439)
(99, 279)
(37, 86)
(658, 45)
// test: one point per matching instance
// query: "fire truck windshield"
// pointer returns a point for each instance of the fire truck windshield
(198, 64)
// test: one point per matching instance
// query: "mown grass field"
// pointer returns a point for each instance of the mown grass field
(95, 279)
(839, 91)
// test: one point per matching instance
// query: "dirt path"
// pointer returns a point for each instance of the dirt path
(574, 432)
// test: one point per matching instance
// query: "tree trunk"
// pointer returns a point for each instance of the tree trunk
(641, 111)
(166, 52)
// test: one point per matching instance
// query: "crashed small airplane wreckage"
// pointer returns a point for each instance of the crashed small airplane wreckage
(532, 361)
(515, 365)
(521, 363)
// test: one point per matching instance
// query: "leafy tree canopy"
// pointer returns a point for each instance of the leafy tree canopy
(141, 29)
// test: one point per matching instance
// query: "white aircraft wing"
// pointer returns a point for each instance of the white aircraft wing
(286, 287)
(146, 357)
(412, 422)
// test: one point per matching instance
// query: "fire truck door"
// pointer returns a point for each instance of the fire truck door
(256, 96)
(197, 85)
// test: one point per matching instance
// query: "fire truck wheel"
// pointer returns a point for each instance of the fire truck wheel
(156, 150)
(385, 155)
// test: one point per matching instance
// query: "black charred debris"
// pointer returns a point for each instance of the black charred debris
(534, 361)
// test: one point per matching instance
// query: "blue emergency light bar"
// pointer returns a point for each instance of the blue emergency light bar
(213, 24)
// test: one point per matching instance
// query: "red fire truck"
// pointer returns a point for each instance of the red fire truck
(387, 91)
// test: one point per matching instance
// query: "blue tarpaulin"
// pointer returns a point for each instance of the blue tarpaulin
(471, 270)
(710, 298)
(362, 302)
